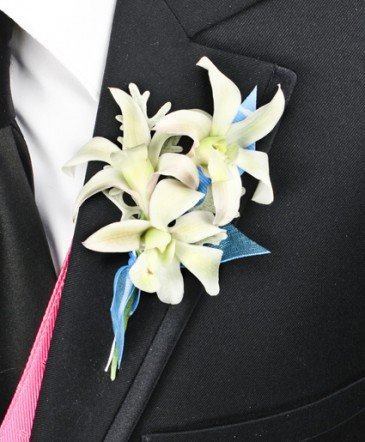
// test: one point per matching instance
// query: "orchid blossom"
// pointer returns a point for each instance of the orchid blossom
(135, 168)
(162, 248)
(219, 144)
(171, 224)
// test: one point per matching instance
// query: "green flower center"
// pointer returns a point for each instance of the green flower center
(228, 152)
(156, 239)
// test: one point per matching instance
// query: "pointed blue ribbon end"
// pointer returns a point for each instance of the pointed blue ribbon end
(124, 291)
(237, 245)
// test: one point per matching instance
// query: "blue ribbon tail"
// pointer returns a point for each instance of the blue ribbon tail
(237, 245)
(124, 290)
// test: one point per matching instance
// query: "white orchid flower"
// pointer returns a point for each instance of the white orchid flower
(135, 169)
(219, 144)
(162, 248)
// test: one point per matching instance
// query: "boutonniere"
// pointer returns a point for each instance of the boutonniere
(181, 205)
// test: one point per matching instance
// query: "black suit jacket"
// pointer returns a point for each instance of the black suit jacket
(279, 354)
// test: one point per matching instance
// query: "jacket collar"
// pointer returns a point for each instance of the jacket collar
(197, 15)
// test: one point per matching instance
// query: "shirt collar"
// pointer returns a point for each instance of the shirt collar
(76, 32)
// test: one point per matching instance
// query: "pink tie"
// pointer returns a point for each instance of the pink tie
(18, 421)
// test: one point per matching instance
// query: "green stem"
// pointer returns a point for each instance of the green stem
(114, 365)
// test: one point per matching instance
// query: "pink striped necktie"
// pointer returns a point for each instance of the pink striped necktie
(18, 421)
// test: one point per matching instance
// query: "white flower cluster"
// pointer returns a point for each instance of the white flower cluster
(167, 226)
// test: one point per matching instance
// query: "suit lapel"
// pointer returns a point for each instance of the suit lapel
(78, 401)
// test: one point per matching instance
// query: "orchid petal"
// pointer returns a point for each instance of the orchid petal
(171, 290)
(97, 149)
(263, 194)
(138, 172)
(151, 186)
(143, 273)
(169, 200)
(258, 124)
(194, 227)
(226, 96)
(122, 236)
(104, 179)
(226, 196)
(203, 262)
(193, 123)
(135, 167)
(135, 125)
(132, 155)
(218, 169)
(214, 240)
(180, 167)
(256, 163)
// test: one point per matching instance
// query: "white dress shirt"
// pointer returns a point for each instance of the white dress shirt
(58, 57)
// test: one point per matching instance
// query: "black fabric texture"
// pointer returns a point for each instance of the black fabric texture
(279, 354)
(196, 15)
(26, 270)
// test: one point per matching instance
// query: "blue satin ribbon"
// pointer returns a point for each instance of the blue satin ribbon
(124, 290)
(204, 183)
(248, 104)
(235, 246)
